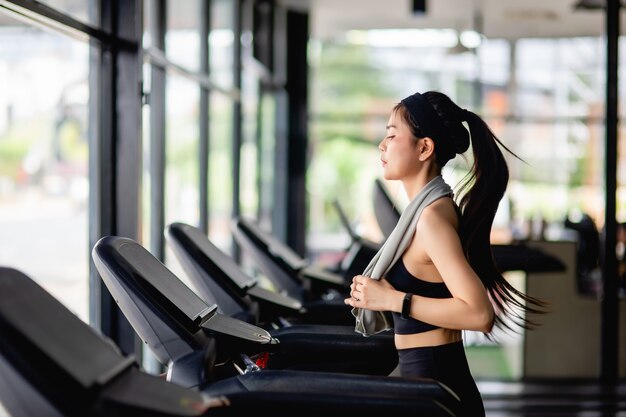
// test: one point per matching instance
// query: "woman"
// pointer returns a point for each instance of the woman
(435, 273)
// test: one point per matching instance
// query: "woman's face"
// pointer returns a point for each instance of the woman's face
(399, 150)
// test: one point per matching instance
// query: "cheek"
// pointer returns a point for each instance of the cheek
(405, 155)
(401, 163)
(402, 152)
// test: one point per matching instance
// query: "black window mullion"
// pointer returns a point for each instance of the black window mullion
(205, 19)
(158, 117)
(236, 138)
(115, 156)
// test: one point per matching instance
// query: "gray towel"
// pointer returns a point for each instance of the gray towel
(370, 322)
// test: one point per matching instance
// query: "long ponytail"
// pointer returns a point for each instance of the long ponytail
(482, 189)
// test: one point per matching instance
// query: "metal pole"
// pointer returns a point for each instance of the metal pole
(609, 304)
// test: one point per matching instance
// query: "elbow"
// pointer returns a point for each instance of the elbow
(484, 321)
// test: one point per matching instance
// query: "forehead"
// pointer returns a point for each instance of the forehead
(396, 121)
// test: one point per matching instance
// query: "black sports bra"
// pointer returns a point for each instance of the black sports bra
(402, 280)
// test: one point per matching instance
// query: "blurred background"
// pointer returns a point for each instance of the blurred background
(535, 70)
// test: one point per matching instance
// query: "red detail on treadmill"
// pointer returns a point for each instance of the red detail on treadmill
(262, 359)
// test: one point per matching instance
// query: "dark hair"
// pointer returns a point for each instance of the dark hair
(482, 189)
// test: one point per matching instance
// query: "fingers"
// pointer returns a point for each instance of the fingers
(354, 295)
(351, 301)
(356, 291)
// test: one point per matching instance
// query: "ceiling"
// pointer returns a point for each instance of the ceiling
(508, 19)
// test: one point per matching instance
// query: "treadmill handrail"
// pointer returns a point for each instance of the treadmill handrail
(273, 244)
(88, 364)
(141, 269)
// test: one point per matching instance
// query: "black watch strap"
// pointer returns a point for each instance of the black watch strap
(406, 306)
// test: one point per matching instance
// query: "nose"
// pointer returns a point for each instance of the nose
(381, 145)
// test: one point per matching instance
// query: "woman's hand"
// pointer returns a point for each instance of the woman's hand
(371, 294)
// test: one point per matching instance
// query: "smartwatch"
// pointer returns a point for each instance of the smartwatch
(406, 306)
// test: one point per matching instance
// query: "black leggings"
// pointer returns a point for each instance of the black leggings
(448, 365)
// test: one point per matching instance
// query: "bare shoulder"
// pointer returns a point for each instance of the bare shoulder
(439, 215)
(436, 234)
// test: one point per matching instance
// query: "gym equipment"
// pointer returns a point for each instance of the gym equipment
(60, 366)
(385, 210)
(218, 279)
(175, 323)
(288, 272)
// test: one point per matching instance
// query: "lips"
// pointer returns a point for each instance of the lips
(384, 163)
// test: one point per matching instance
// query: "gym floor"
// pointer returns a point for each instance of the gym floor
(505, 394)
(545, 399)
(553, 399)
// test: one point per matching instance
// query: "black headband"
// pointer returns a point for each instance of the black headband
(425, 116)
(431, 124)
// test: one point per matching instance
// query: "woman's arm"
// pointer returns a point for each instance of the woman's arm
(470, 307)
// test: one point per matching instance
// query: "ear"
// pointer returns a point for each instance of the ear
(426, 148)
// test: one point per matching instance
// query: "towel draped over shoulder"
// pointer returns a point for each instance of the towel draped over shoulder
(370, 322)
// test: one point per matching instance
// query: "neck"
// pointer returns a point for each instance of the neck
(413, 185)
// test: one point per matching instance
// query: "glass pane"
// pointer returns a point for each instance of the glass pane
(220, 170)
(561, 106)
(249, 148)
(182, 41)
(78, 9)
(221, 43)
(220, 193)
(182, 162)
(44, 188)
(560, 77)
(266, 157)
